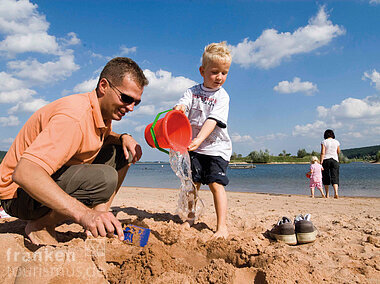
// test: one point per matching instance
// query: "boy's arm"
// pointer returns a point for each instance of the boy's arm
(206, 130)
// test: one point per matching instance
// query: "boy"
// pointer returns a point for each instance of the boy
(207, 108)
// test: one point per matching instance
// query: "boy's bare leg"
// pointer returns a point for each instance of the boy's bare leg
(190, 222)
(335, 186)
(327, 191)
(42, 230)
(312, 192)
(220, 201)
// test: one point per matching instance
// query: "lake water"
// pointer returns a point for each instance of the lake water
(356, 179)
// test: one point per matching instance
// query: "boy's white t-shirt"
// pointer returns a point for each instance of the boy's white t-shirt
(331, 146)
(203, 103)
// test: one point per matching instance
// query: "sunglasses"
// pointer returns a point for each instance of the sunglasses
(124, 98)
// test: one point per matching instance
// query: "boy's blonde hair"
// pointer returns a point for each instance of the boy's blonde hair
(216, 52)
(314, 159)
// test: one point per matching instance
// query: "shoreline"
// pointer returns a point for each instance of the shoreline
(249, 192)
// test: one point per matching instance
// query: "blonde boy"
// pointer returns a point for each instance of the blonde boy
(206, 106)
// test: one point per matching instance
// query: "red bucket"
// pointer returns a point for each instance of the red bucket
(172, 131)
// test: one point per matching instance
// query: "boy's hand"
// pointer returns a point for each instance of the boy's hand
(195, 144)
(180, 108)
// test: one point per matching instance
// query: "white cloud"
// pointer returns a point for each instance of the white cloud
(128, 50)
(25, 29)
(162, 93)
(353, 118)
(71, 40)
(310, 130)
(272, 47)
(9, 83)
(86, 86)
(374, 2)
(13, 90)
(162, 83)
(15, 96)
(352, 108)
(145, 110)
(28, 106)
(9, 121)
(37, 42)
(237, 138)
(374, 77)
(37, 72)
(269, 137)
(286, 87)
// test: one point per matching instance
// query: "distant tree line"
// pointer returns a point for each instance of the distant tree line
(366, 153)
(265, 157)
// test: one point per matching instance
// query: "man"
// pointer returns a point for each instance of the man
(67, 164)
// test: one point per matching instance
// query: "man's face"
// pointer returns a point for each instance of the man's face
(214, 74)
(113, 106)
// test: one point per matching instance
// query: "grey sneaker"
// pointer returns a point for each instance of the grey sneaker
(305, 230)
(284, 231)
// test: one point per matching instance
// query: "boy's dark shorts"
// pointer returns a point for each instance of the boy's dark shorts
(91, 184)
(208, 169)
(330, 173)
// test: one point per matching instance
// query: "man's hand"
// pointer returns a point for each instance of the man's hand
(180, 108)
(130, 144)
(101, 223)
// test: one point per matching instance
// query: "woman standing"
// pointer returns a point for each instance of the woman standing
(330, 149)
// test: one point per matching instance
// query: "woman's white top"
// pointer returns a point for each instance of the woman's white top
(331, 146)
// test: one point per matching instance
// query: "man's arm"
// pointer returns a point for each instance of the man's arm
(39, 185)
(206, 130)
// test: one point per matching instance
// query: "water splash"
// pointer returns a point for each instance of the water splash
(190, 206)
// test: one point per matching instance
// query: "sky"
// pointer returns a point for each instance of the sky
(298, 67)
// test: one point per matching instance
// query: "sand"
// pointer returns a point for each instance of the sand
(347, 249)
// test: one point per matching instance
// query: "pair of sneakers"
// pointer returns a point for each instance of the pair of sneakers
(301, 232)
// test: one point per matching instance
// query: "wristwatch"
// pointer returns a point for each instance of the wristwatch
(121, 136)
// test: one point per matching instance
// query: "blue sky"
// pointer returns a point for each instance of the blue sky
(299, 67)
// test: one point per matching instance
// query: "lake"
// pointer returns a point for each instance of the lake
(356, 179)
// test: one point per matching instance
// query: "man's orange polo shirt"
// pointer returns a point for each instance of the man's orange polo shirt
(68, 131)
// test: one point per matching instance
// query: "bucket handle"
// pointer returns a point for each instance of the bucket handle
(154, 134)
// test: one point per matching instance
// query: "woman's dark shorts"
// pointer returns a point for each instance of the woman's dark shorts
(330, 173)
(91, 184)
(208, 169)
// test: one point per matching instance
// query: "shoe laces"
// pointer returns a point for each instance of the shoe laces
(300, 217)
(283, 220)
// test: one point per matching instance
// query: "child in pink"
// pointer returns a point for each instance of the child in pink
(315, 176)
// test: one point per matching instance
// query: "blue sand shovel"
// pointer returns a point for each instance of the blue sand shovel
(136, 235)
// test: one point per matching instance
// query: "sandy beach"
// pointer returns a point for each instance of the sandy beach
(347, 249)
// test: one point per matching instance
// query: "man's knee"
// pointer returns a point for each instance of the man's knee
(105, 182)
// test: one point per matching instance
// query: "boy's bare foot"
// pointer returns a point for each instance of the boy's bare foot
(221, 233)
(336, 196)
(40, 236)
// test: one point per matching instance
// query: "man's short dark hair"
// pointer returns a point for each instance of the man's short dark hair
(116, 69)
(329, 134)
